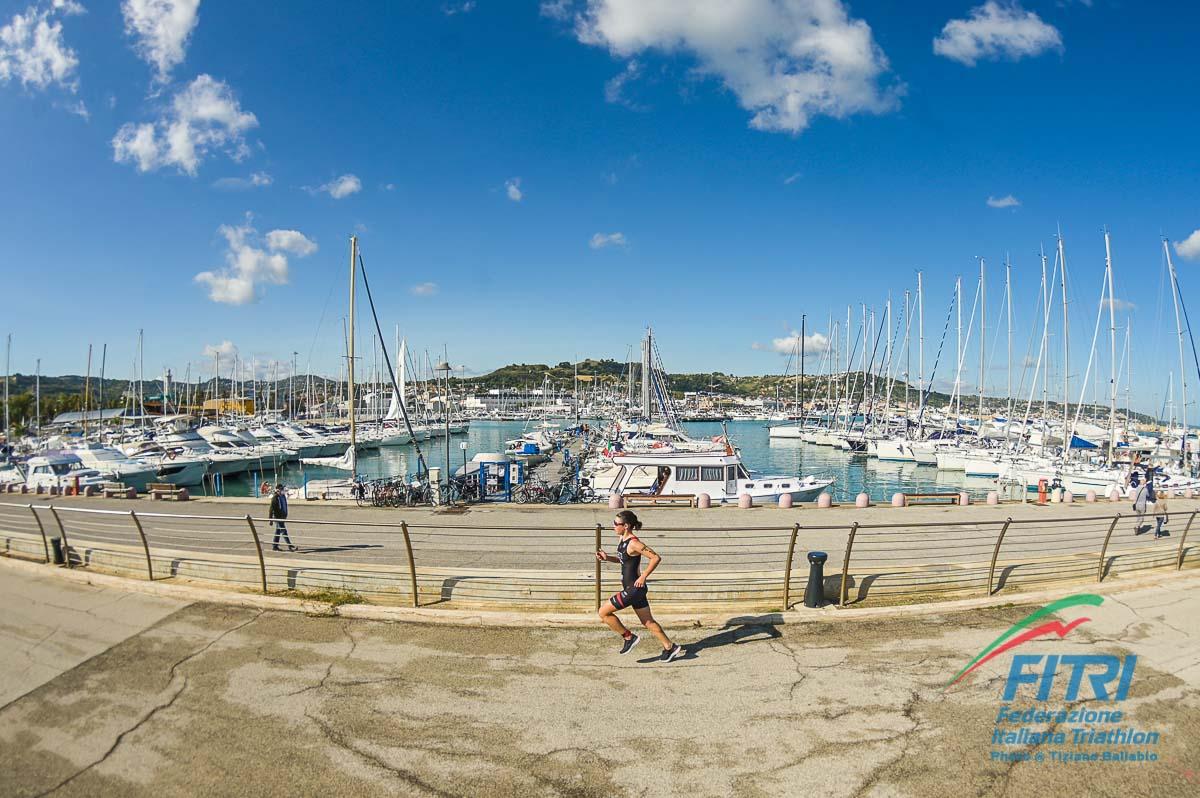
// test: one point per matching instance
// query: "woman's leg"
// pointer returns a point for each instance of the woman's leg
(608, 614)
(647, 619)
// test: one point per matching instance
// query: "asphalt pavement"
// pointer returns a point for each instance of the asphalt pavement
(139, 695)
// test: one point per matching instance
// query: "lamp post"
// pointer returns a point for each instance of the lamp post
(443, 368)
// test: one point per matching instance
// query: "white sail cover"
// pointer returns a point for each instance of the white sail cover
(344, 463)
(393, 412)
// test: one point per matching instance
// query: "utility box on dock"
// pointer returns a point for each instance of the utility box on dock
(497, 479)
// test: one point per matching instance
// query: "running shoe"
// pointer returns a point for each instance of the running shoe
(671, 653)
(630, 643)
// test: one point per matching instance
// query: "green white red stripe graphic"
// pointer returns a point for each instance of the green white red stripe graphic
(1015, 637)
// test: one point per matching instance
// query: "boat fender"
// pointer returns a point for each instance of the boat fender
(170, 455)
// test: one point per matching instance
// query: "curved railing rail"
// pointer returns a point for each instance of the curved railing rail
(455, 564)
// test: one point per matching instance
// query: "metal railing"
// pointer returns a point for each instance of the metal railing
(430, 564)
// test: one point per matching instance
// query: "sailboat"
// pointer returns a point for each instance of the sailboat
(341, 488)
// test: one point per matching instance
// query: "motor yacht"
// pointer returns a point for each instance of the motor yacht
(720, 474)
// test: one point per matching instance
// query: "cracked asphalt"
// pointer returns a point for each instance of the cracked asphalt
(108, 693)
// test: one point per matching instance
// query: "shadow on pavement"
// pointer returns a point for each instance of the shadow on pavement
(736, 631)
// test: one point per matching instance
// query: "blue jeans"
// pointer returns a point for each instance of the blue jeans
(281, 533)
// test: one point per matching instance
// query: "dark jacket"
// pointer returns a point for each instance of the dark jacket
(278, 507)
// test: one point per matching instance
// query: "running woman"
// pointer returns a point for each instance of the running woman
(633, 594)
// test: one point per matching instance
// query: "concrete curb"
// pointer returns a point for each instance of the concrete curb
(532, 618)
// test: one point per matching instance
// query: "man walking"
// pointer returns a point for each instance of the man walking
(278, 513)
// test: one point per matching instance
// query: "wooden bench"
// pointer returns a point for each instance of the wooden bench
(159, 490)
(116, 490)
(911, 499)
(675, 500)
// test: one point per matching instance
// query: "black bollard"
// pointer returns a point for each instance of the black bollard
(814, 592)
(56, 551)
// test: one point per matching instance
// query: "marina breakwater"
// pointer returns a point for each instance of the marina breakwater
(543, 557)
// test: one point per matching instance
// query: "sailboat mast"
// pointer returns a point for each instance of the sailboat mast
(800, 383)
(982, 335)
(1045, 343)
(37, 398)
(87, 389)
(103, 361)
(887, 407)
(350, 357)
(7, 369)
(907, 354)
(1062, 263)
(958, 351)
(1128, 372)
(1008, 308)
(1112, 350)
(849, 355)
(921, 354)
(1183, 451)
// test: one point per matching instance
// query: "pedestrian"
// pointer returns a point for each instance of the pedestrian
(279, 512)
(1159, 497)
(1141, 499)
(633, 593)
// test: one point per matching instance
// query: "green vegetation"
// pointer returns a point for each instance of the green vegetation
(334, 598)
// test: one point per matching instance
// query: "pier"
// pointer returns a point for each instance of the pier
(540, 558)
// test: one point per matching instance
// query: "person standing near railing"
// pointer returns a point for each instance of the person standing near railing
(278, 513)
(633, 587)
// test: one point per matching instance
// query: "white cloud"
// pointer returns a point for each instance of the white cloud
(602, 240)
(814, 343)
(79, 109)
(250, 265)
(203, 116)
(614, 89)
(224, 349)
(255, 180)
(458, 8)
(389, 186)
(1118, 304)
(785, 61)
(341, 187)
(556, 9)
(292, 241)
(1007, 201)
(33, 51)
(513, 189)
(161, 29)
(1189, 247)
(994, 31)
(792, 178)
(424, 289)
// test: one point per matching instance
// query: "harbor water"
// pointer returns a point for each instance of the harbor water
(853, 473)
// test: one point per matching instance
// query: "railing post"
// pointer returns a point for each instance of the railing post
(145, 545)
(599, 532)
(787, 569)
(1182, 540)
(42, 529)
(995, 554)
(412, 565)
(846, 564)
(62, 531)
(1104, 548)
(262, 566)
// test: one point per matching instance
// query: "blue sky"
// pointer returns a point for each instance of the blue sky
(536, 182)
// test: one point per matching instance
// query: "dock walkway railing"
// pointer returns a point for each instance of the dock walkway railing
(481, 564)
